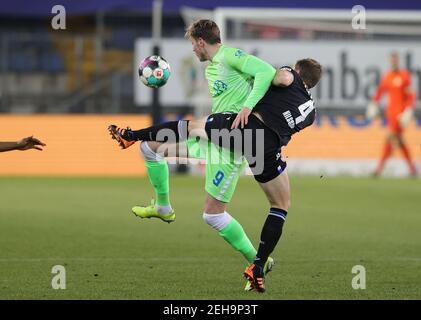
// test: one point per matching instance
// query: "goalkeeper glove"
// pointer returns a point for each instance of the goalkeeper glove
(372, 111)
(405, 117)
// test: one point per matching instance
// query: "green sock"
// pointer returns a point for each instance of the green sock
(234, 234)
(159, 178)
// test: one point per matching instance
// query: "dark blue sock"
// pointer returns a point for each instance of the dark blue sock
(271, 233)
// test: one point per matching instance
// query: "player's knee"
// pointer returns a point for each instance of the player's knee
(214, 206)
(282, 203)
(196, 128)
(217, 221)
(194, 124)
(288, 204)
(148, 152)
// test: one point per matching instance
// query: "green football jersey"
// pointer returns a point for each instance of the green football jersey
(237, 79)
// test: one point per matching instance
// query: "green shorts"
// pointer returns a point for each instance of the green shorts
(223, 168)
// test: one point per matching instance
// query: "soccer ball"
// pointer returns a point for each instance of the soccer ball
(154, 71)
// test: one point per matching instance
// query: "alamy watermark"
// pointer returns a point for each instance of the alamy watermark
(359, 18)
(58, 22)
(229, 147)
(359, 280)
(59, 279)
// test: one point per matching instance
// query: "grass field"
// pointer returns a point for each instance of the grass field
(85, 224)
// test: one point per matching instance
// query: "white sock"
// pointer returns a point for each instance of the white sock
(217, 221)
(148, 153)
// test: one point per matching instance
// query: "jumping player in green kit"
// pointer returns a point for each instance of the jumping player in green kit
(237, 81)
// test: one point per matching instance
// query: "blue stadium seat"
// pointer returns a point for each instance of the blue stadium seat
(22, 61)
(122, 39)
(52, 62)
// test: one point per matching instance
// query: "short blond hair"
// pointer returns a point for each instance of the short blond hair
(206, 29)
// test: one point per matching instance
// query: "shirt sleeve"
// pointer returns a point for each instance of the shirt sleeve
(262, 72)
(382, 88)
(410, 99)
(407, 79)
(409, 95)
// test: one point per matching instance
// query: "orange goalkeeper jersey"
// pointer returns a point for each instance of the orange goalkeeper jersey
(397, 85)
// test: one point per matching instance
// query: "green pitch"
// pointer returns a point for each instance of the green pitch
(85, 224)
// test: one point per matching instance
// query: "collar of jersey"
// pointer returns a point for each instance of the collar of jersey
(217, 52)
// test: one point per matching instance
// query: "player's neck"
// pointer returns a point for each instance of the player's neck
(213, 50)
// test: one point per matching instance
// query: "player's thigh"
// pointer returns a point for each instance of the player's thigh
(278, 191)
(222, 176)
(218, 130)
(394, 127)
(272, 174)
(265, 160)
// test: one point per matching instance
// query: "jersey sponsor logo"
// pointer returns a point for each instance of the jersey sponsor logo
(219, 87)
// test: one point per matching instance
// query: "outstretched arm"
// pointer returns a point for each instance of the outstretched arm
(381, 90)
(24, 144)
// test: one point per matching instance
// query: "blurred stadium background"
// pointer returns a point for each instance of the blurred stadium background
(66, 86)
(90, 68)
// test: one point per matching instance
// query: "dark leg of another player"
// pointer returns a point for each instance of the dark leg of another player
(278, 194)
(172, 131)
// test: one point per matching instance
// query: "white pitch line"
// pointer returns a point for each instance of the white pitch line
(111, 259)
(183, 259)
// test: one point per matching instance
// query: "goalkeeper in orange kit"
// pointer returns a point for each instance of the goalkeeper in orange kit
(398, 112)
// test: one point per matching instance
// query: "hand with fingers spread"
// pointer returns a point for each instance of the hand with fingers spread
(242, 118)
(23, 144)
(30, 143)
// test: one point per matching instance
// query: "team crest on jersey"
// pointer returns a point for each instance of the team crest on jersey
(218, 88)
(397, 81)
(239, 53)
